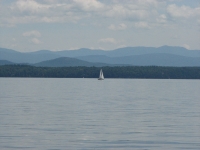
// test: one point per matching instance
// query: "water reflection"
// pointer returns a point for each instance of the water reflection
(88, 114)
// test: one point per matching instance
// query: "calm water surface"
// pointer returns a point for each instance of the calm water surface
(87, 114)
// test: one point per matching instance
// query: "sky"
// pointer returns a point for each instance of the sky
(31, 25)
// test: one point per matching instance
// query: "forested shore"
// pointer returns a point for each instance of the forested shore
(149, 72)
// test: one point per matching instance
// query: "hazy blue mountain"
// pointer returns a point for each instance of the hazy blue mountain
(9, 55)
(31, 57)
(80, 52)
(166, 55)
(127, 51)
(99, 58)
(179, 51)
(42, 52)
(5, 62)
(160, 60)
(67, 61)
(156, 59)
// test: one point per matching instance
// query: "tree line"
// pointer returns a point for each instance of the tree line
(150, 72)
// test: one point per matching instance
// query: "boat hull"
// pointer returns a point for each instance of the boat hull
(100, 79)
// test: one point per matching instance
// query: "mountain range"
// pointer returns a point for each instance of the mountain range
(137, 56)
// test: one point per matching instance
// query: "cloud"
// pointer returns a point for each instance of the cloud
(36, 41)
(183, 11)
(175, 37)
(34, 33)
(142, 25)
(186, 46)
(128, 12)
(141, 13)
(29, 6)
(30, 11)
(36, 11)
(162, 19)
(121, 26)
(89, 5)
(108, 40)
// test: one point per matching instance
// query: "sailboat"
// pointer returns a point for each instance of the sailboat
(101, 77)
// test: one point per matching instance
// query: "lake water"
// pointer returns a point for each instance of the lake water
(87, 114)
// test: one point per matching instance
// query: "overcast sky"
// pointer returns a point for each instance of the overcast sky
(31, 25)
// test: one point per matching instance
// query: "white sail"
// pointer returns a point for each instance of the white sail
(101, 77)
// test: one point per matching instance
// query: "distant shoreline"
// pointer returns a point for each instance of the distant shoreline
(124, 72)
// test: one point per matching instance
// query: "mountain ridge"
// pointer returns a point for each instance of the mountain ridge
(164, 55)
(68, 62)
(160, 59)
(5, 62)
